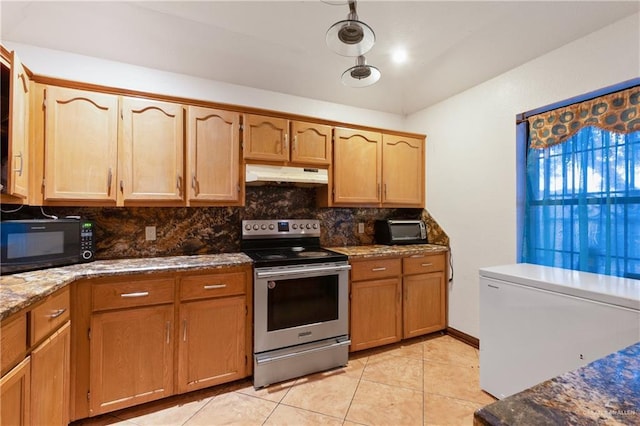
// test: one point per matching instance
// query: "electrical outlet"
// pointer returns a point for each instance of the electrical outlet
(150, 233)
(361, 228)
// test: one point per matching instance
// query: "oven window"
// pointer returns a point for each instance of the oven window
(301, 301)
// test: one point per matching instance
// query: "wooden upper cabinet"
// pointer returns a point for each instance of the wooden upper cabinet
(151, 151)
(310, 143)
(402, 171)
(17, 179)
(265, 138)
(80, 145)
(213, 159)
(356, 167)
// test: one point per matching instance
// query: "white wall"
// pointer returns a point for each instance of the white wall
(471, 164)
(54, 63)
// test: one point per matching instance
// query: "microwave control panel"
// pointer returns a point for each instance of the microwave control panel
(86, 240)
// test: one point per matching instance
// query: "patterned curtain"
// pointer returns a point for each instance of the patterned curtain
(617, 112)
(582, 202)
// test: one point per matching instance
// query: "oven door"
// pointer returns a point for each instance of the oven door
(300, 304)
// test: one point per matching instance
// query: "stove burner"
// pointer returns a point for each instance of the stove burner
(313, 254)
(274, 256)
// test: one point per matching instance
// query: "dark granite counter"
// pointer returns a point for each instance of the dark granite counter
(18, 291)
(606, 391)
(356, 252)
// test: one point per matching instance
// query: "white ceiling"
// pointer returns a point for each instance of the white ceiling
(280, 45)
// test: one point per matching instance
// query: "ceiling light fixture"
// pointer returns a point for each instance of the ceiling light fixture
(360, 75)
(350, 37)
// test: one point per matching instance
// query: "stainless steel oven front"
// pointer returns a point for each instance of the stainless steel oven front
(300, 320)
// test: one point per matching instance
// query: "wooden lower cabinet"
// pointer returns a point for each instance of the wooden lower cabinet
(397, 298)
(211, 342)
(423, 304)
(35, 390)
(131, 357)
(424, 294)
(143, 337)
(376, 304)
(15, 395)
(376, 313)
(50, 379)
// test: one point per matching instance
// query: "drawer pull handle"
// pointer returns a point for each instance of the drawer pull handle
(57, 313)
(427, 264)
(214, 286)
(378, 269)
(138, 294)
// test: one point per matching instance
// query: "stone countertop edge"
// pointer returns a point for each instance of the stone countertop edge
(378, 250)
(606, 391)
(21, 290)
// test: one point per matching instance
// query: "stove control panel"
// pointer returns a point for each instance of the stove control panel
(280, 228)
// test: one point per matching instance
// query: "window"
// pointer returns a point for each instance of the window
(581, 207)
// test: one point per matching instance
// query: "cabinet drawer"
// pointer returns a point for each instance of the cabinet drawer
(212, 285)
(13, 341)
(375, 268)
(132, 293)
(423, 263)
(48, 316)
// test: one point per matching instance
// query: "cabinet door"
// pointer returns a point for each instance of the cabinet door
(15, 395)
(212, 342)
(131, 357)
(402, 171)
(376, 313)
(213, 140)
(80, 145)
(50, 379)
(311, 143)
(152, 145)
(18, 148)
(265, 138)
(423, 304)
(357, 163)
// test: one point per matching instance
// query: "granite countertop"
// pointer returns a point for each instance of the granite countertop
(606, 391)
(377, 250)
(20, 290)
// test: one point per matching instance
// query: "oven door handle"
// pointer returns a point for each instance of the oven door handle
(266, 359)
(271, 274)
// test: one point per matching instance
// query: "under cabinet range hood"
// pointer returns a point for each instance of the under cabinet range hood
(264, 174)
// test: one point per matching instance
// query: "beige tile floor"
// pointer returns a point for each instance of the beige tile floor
(432, 380)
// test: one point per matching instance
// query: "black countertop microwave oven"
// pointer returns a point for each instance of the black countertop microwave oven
(391, 232)
(32, 244)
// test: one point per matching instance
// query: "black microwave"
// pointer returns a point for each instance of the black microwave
(393, 232)
(31, 244)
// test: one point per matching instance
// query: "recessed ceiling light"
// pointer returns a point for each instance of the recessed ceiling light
(399, 56)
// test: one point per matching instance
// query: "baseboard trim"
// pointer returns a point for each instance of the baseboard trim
(464, 337)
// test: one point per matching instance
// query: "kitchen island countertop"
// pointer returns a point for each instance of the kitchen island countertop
(18, 291)
(606, 391)
(378, 250)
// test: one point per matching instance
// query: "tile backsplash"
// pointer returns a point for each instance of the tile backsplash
(120, 231)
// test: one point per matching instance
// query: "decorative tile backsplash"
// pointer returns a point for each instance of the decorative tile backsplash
(120, 231)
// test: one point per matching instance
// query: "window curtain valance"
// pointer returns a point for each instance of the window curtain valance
(617, 112)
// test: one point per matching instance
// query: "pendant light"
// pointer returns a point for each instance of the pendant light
(350, 37)
(360, 75)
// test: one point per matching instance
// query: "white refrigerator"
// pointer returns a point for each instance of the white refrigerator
(538, 322)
